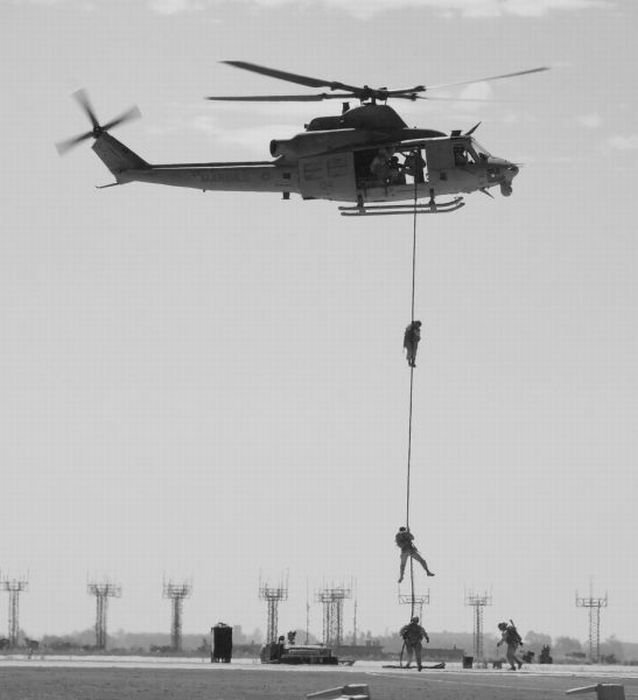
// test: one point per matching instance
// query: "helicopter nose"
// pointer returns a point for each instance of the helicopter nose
(503, 167)
(502, 172)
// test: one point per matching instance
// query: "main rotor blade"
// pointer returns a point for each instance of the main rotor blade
(283, 98)
(82, 98)
(64, 146)
(403, 92)
(493, 77)
(457, 99)
(129, 115)
(291, 77)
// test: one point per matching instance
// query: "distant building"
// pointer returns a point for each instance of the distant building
(450, 655)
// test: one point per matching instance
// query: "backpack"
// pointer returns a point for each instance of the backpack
(512, 636)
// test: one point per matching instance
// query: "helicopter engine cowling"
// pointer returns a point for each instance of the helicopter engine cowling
(317, 142)
(279, 148)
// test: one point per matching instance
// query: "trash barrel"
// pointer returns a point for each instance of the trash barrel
(222, 651)
(468, 661)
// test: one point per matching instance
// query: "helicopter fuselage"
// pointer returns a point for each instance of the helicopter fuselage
(368, 155)
(338, 175)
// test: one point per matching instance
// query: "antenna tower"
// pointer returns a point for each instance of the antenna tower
(594, 605)
(176, 592)
(415, 601)
(307, 614)
(332, 600)
(102, 592)
(273, 595)
(14, 587)
(478, 602)
(354, 623)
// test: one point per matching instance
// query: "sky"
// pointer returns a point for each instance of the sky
(211, 387)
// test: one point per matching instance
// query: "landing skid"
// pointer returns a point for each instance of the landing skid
(418, 208)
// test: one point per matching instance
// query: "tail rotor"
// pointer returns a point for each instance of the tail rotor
(82, 99)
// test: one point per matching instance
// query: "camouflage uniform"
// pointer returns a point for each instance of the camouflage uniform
(404, 540)
(412, 635)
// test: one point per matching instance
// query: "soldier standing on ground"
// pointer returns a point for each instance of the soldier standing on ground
(512, 638)
(413, 634)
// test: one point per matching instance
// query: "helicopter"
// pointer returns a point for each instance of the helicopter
(366, 157)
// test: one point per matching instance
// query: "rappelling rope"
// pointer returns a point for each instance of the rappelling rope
(409, 470)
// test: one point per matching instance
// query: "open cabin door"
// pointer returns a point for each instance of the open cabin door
(328, 177)
(439, 157)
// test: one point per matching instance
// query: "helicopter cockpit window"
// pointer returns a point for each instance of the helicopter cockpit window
(464, 154)
(483, 153)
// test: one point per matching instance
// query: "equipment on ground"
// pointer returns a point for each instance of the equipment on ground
(366, 156)
(604, 691)
(352, 691)
(222, 643)
(296, 654)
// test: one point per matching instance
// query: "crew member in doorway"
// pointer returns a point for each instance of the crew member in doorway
(395, 176)
(413, 166)
(411, 339)
(511, 637)
(405, 542)
(413, 635)
(380, 165)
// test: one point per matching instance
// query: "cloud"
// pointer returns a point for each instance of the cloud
(84, 4)
(172, 7)
(624, 143)
(365, 9)
(591, 121)
(476, 91)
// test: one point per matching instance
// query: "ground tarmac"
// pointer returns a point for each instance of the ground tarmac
(104, 678)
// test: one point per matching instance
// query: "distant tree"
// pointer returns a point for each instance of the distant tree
(85, 637)
(545, 657)
(564, 646)
(612, 647)
(631, 652)
(66, 643)
(535, 641)
(461, 640)
(257, 637)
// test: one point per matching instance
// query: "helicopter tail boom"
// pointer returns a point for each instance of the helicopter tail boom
(117, 157)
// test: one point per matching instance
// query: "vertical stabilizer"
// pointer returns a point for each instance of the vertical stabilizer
(117, 157)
